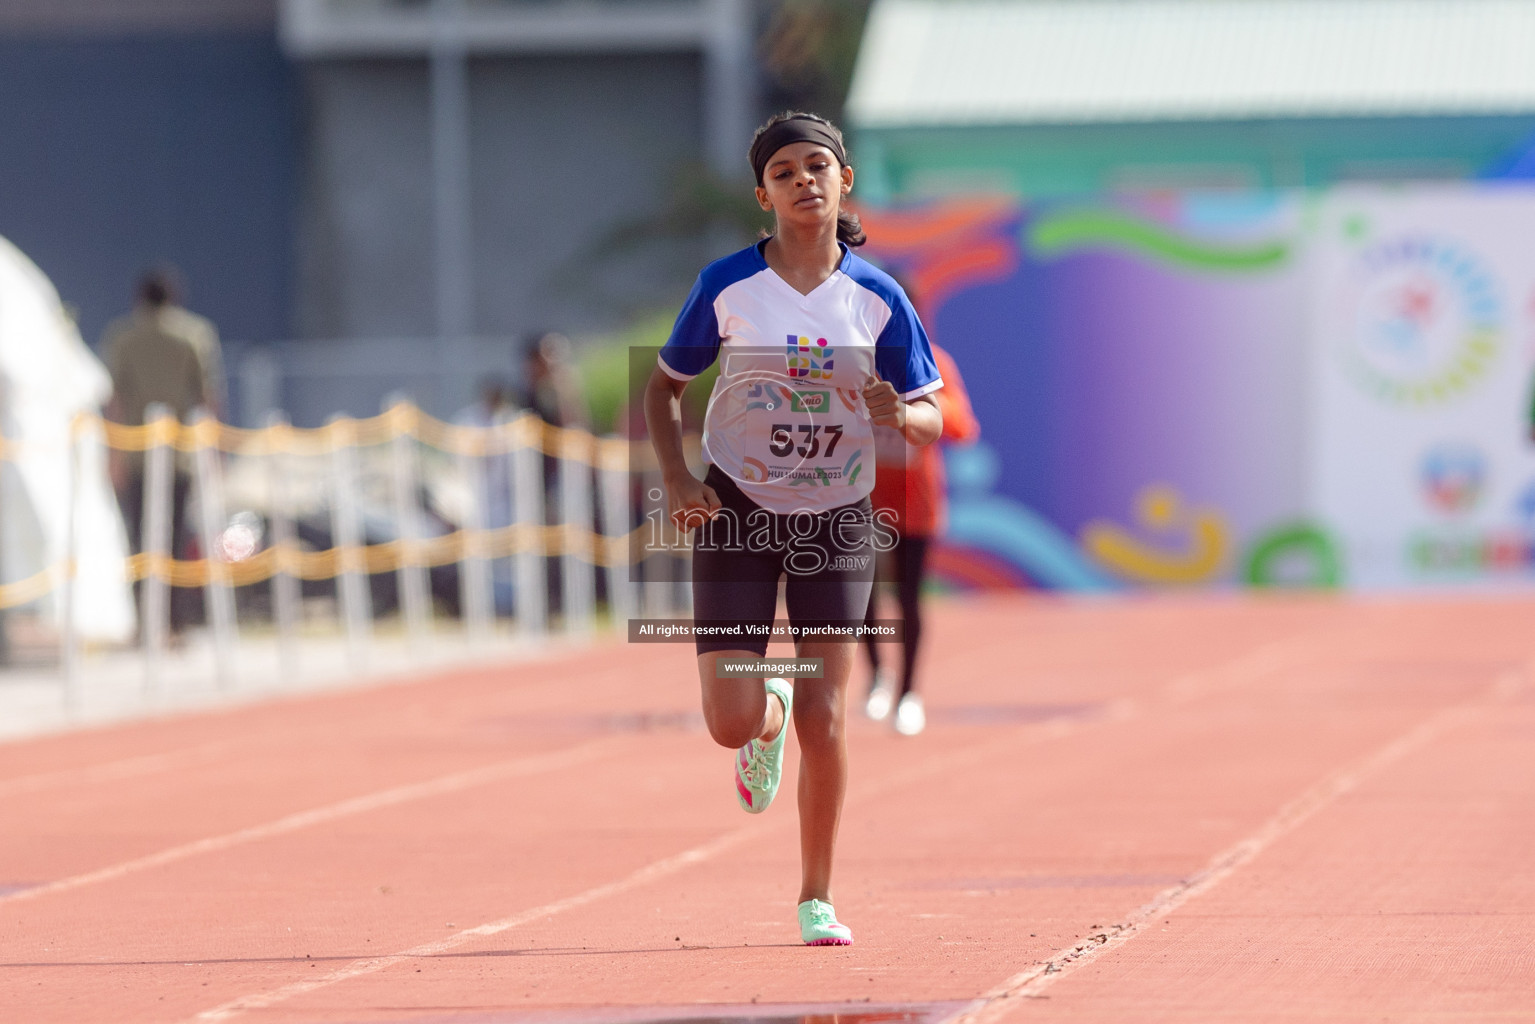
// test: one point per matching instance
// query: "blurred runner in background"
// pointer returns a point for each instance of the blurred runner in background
(552, 390)
(163, 353)
(910, 483)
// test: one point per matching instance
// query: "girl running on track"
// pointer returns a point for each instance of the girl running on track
(816, 347)
(910, 485)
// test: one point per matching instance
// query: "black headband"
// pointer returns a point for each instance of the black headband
(795, 129)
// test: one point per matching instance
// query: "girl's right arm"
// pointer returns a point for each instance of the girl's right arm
(689, 500)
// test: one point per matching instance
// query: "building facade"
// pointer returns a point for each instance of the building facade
(370, 195)
(147, 131)
(1056, 99)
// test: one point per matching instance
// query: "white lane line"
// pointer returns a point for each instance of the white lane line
(1290, 652)
(649, 873)
(1032, 981)
(1033, 732)
(1121, 710)
(149, 764)
(496, 772)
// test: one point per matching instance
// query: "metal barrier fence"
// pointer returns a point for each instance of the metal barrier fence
(566, 496)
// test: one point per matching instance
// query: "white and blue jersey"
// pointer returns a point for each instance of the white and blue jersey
(786, 419)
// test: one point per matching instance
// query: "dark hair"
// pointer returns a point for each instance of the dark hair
(849, 228)
(160, 286)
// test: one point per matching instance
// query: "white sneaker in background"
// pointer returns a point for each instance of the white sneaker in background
(910, 718)
(881, 696)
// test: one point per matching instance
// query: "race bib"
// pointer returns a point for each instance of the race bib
(790, 427)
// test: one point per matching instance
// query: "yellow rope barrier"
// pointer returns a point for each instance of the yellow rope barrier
(602, 551)
(563, 442)
(13, 595)
(403, 419)
(567, 442)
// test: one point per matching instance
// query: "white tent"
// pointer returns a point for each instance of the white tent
(47, 377)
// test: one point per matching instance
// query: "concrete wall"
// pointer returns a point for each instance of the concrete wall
(121, 149)
(107, 16)
(296, 196)
(566, 153)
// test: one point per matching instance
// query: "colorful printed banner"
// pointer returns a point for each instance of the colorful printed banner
(1276, 388)
(1423, 463)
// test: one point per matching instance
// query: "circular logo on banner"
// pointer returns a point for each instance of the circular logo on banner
(1422, 321)
(1453, 477)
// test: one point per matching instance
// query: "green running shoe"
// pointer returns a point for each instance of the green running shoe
(759, 766)
(818, 925)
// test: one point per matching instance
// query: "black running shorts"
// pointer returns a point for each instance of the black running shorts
(825, 558)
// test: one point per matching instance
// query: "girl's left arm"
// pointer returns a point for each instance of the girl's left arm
(924, 420)
(920, 420)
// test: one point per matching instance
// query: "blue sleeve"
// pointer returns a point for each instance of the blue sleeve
(695, 340)
(902, 354)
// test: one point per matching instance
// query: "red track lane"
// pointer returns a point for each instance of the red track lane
(1190, 809)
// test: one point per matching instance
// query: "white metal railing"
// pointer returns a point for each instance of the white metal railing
(364, 481)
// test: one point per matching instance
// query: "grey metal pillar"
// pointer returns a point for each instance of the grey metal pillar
(474, 580)
(617, 521)
(532, 595)
(411, 578)
(578, 574)
(217, 592)
(451, 175)
(657, 568)
(69, 636)
(287, 595)
(155, 541)
(5, 640)
(728, 80)
(354, 598)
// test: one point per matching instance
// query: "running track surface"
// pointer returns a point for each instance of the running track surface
(1180, 809)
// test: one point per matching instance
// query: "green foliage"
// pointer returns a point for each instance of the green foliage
(605, 380)
(808, 51)
(700, 204)
(614, 371)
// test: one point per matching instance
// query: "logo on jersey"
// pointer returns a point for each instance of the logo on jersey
(810, 401)
(809, 360)
(767, 396)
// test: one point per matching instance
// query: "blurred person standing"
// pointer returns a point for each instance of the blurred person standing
(160, 352)
(552, 392)
(551, 385)
(909, 485)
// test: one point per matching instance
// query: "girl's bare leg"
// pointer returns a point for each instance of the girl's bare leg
(737, 710)
(820, 724)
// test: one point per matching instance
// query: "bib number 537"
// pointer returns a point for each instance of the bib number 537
(781, 440)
